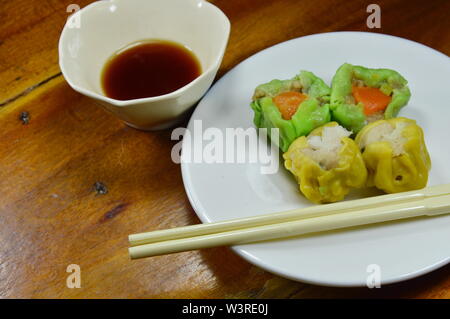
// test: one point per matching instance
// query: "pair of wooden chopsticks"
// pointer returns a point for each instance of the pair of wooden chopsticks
(429, 201)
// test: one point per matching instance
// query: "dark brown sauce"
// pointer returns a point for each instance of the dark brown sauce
(149, 69)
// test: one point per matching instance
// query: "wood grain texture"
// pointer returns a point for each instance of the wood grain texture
(50, 214)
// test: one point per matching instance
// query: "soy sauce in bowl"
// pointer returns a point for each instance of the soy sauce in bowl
(148, 69)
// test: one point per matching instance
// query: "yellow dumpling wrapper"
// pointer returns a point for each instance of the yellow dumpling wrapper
(395, 154)
(322, 185)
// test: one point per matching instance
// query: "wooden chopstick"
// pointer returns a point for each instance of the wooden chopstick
(415, 207)
(296, 214)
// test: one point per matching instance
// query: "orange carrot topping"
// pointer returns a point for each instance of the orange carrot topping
(372, 98)
(288, 103)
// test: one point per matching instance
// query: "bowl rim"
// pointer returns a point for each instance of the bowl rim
(122, 103)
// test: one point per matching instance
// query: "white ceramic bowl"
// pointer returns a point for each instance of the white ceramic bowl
(94, 33)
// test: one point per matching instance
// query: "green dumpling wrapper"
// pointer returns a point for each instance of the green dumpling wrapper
(311, 113)
(351, 115)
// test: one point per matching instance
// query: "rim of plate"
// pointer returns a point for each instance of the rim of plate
(200, 211)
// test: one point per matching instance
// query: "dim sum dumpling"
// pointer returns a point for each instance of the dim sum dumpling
(395, 154)
(326, 164)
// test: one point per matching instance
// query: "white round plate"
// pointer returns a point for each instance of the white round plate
(400, 250)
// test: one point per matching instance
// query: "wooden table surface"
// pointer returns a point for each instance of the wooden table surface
(50, 214)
